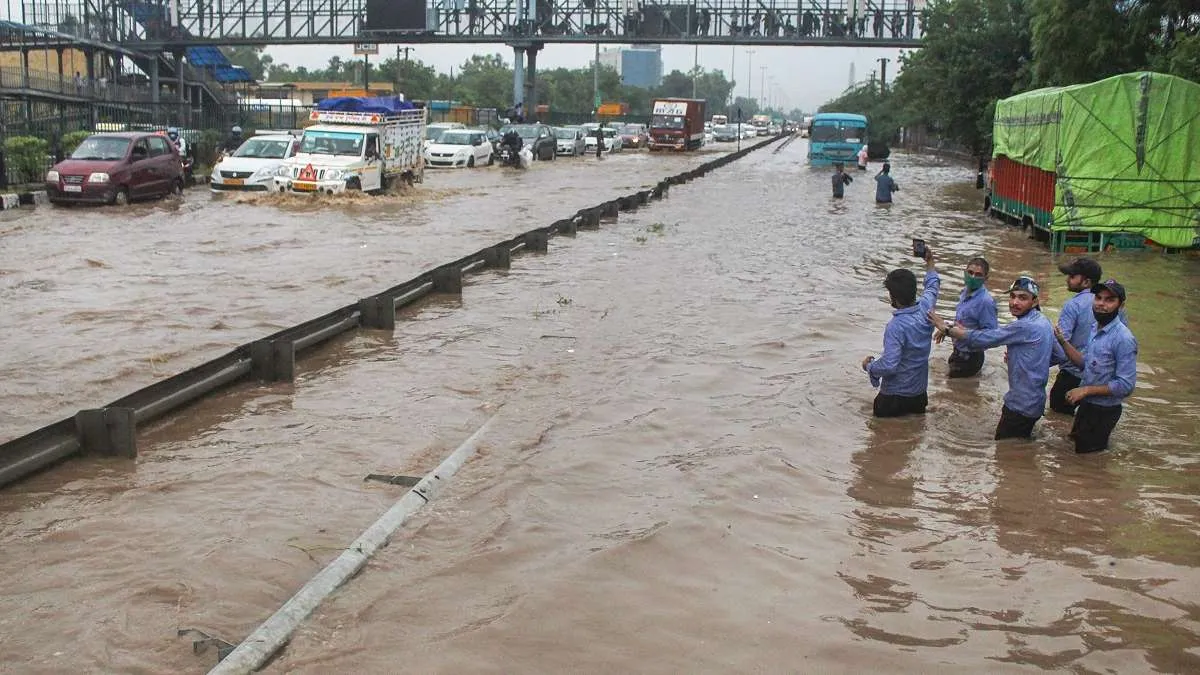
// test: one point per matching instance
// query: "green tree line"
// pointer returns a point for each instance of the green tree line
(486, 80)
(976, 52)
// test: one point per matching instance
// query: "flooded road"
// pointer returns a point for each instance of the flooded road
(683, 475)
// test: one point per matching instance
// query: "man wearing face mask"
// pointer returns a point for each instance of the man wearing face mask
(976, 310)
(1077, 324)
(1109, 364)
(1031, 349)
(902, 371)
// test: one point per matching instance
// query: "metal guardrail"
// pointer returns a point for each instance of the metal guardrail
(98, 91)
(112, 429)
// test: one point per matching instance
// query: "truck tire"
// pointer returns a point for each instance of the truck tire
(354, 184)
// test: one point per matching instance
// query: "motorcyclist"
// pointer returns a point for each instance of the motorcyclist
(180, 143)
(513, 141)
(234, 141)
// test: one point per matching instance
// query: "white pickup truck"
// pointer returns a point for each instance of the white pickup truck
(369, 150)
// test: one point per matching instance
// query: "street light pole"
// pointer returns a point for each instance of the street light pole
(749, 74)
(762, 84)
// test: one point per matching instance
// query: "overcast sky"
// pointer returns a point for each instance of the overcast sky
(803, 77)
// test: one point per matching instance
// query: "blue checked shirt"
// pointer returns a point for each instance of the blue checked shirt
(1031, 347)
(903, 368)
(1111, 358)
(1077, 324)
(977, 310)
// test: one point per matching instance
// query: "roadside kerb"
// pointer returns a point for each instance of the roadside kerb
(112, 429)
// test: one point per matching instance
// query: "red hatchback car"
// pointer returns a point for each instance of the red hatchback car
(116, 168)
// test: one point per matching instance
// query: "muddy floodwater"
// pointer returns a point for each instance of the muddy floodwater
(682, 475)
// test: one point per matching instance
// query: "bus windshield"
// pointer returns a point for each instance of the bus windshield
(838, 132)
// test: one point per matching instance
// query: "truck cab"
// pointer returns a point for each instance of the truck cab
(357, 144)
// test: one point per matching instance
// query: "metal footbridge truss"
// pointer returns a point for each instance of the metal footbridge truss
(174, 24)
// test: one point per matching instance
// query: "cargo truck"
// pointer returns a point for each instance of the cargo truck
(367, 144)
(677, 124)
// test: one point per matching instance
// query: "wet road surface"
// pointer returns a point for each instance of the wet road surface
(683, 475)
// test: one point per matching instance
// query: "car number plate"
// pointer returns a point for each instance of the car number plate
(304, 187)
(235, 181)
(73, 188)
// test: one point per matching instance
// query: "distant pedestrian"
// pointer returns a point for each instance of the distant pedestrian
(1109, 366)
(78, 84)
(885, 185)
(840, 180)
(862, 158)
(1031, 349)
(599, 139)
(902, 371)
(1077, 323)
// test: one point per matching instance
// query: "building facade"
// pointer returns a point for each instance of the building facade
(637, 66)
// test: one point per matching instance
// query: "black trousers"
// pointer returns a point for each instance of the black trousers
(965, 364)
(891, 405)
(1058, 393)
(1093, 425)
(1014, 425)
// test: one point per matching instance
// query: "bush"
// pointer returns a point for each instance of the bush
(71, 140)
(27, 155)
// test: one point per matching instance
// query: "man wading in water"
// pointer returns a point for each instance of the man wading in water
(840, 180)
(902, 371)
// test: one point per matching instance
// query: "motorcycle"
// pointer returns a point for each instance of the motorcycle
(189, 176)
(509, 157)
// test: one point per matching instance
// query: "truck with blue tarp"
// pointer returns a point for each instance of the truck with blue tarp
(357, 143)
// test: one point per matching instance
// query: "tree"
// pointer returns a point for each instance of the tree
(485, 81)
(251, 58)
(414, 78)
(1081, 41)
(974, 52)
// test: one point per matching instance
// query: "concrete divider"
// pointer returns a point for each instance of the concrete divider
(112, 429)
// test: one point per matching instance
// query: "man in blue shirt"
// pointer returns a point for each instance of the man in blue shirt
(902, 371)
(884, 185)
(1077, 324)
(976, 310)
(1031, 350)
(1109, 365)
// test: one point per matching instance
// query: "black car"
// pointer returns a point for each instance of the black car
(539, 138)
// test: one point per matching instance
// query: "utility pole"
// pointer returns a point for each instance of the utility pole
(695, 69)
(882, 75)
(762, 85)
(406, 50)
(596, 82)
(749, 74)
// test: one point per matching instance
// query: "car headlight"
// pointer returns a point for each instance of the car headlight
(283, 171)
(52, 176)
(98, 177)
(262, 173)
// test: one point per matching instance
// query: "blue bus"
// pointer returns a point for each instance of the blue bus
(836, 137)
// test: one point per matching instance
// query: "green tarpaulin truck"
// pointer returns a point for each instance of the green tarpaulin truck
(1114, 163)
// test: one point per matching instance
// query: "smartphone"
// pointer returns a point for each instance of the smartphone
(919, 249)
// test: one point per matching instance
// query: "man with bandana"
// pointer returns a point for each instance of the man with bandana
(1077, 324)
(976, 310)
(1031, 349)
(902, 371)
(1109, 364)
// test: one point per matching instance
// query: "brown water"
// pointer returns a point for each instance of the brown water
(683, 475)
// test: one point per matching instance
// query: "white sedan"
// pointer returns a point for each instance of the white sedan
(252, 166)
(459, 148)
(612, 140)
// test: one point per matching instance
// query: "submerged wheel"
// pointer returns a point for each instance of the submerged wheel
(471, 162)
(120, 197)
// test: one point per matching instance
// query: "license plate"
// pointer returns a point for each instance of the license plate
(73, 188)
(304, 187)
(235, 181)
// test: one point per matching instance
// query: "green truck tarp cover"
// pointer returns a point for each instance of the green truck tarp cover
(1125, 151)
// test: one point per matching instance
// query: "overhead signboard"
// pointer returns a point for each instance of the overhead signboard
(366, 49)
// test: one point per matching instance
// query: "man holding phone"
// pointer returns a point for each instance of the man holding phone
(902, 371)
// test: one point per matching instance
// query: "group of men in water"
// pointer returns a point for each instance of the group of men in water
(1091, 344)
(885, 185)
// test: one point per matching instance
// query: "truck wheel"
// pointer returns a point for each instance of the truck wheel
(354, 184)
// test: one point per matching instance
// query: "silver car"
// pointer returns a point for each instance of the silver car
(570, 141)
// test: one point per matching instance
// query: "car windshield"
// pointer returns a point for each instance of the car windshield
(828, 133)
(565, 134)
(433, 133)
(455, 138)
(263, 149)
(332, 143)
(633, 129)
(102, 147)
(524, 131)
(667, 122)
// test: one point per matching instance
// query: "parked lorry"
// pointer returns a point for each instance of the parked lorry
(677, 124)
(355, 143)
(1102, 165)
